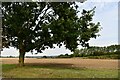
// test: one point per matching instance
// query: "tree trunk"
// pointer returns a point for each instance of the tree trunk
(21, 56)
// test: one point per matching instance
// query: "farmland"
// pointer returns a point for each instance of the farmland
(60, 68)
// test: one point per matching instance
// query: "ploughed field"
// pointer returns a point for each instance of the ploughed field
(60, 68)
(70, 62)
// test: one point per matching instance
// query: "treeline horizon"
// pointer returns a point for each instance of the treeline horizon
(111, 51)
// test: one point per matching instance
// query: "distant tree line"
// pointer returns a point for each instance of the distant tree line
(95, 51)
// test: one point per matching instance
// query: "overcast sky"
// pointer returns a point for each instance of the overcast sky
(106, 13)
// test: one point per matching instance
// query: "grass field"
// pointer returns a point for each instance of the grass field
(56, 71)
(12, 71)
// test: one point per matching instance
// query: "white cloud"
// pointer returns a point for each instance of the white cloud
(9, 51)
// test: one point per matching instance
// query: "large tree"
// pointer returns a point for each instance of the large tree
(37, 26)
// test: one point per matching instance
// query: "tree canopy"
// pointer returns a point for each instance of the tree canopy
(39, 25)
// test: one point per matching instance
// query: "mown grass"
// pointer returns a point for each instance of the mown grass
(37, 71)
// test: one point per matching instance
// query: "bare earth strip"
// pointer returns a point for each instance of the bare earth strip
(70, 62)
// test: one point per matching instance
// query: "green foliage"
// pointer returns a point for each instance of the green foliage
(28, 26)
(98, 52)
(18, 23)
(44, 57)
(76, 51)
(64, 56)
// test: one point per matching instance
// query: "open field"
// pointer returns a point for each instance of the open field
(71, 62)
(60, 68)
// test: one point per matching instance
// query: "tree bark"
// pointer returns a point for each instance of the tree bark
(21, 55)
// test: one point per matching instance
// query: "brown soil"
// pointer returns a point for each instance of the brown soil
(70, 62)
